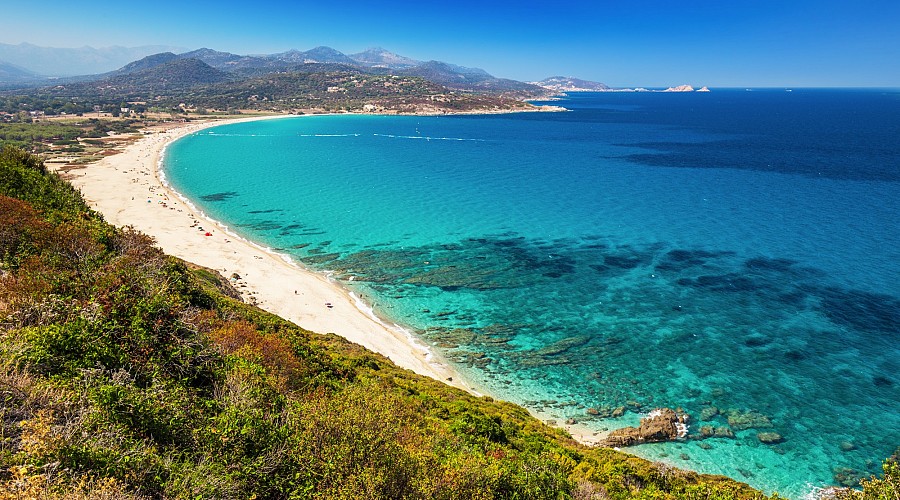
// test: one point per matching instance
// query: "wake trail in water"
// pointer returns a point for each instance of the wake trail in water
(216, 134)
(328, 135)
(391, 136)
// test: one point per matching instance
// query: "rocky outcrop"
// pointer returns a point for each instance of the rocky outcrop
(660, 425)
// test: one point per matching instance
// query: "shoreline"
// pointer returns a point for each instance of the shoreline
(119, 187)
(130, 189)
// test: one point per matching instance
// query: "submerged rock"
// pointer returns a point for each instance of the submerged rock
(724, 432)
(741, 420)
(708, 431)
(709, 413)
(847, 477)
(660, 425)
(847, 446)
(769, 437)
(563, 345)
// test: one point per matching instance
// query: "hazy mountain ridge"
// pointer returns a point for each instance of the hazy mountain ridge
(54, 62)
(11, 72)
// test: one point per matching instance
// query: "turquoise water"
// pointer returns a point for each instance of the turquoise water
(732, 250)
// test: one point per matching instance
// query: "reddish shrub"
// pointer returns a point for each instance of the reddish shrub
(271, 351)
(19, 224)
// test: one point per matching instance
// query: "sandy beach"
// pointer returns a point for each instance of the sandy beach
(128, 190)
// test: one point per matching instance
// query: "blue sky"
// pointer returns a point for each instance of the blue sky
(622, 43)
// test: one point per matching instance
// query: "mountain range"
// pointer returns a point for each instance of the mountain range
(42, 62)
(321, 78)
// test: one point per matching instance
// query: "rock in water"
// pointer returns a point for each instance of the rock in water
(660, 425)
(741, 420)
(709, 413)
(724, 432)
(769, 437)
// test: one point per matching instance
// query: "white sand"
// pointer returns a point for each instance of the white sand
(120, 186)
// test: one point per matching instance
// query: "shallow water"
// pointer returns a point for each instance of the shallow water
(731, 250)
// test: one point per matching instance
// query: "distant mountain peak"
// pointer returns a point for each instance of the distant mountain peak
(147, 62)
(324, 49)
(320, 54)
(173, 73)
(214, 58)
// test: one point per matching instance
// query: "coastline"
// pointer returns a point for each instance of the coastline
(119, 187)
(486, 380)
(129, 190)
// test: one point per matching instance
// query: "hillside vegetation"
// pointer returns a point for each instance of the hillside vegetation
(126, 373)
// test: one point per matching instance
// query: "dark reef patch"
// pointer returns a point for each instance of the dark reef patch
(757, 341)
(269, 211)
(621, 261)
(861, 310)
(767, 264)
(731, 282)
(795, 356)
(290, 229)
(264, 225)
(767, 154)
(679, 260)
(224, 196)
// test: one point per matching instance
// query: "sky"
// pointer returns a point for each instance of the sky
(723, 43)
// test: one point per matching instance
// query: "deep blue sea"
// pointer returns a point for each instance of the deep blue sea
(734, 253)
